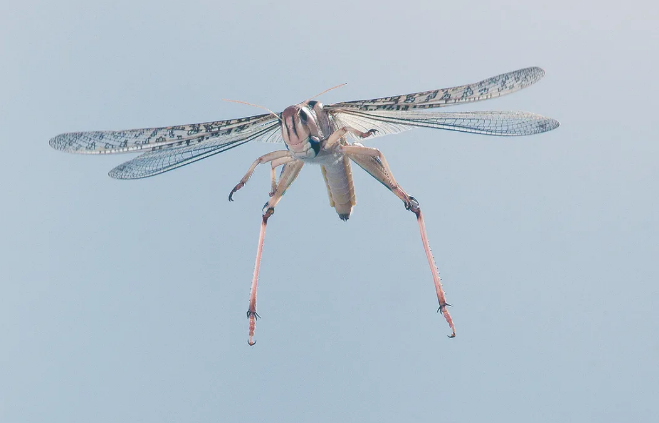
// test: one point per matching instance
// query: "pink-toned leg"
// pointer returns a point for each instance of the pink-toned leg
(251, 312)
(289, 173)
(275, 155)
(336, 136)
(274, 165)
(273, 181)
(414, 207)
(373, 161)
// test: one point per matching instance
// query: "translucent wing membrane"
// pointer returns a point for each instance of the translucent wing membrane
(150, 139)
(163, 160)
(171, 147)
(485, 123)
(489, 88)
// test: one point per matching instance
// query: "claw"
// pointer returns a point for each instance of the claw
(442, 307)
(367, 133)
(233, 191)
(253, 317)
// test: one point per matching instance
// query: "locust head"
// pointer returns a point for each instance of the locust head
(301, 130)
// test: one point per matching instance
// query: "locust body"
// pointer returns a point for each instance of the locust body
(307, 130)
(328, 136)
(311, 136)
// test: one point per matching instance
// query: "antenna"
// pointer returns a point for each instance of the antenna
(254, 105)
(329, 89)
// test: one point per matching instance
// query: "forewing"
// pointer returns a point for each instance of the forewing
(163, 160)
(486, 123)
(150, 139)
(489, 88)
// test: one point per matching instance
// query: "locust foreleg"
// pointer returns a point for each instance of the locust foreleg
(275, 155)
(288, 175)
(373, 161)
(336, 136)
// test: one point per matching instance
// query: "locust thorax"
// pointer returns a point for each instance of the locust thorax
(302, 129)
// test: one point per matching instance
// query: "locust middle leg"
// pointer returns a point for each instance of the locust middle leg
(373, 162)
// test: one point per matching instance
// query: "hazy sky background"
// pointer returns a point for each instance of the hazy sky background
(125, 301)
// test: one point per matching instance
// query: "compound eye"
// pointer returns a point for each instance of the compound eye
(303, 117)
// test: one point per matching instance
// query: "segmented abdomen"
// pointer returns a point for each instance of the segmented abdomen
(338, 178)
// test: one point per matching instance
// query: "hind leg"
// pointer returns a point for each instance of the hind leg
(289, 173)
(373, 161)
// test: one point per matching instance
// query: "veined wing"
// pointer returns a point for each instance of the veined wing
(162, 160)
(485, 123)
(150, 139)
(489, 88)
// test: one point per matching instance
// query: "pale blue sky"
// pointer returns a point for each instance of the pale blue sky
(125, 301)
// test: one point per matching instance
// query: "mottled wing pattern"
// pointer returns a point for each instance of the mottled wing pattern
(150, 139)
(162, 160)
(489, 88)
(485, 123)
